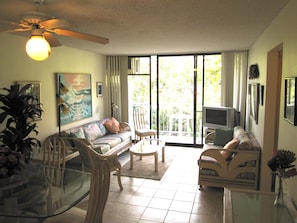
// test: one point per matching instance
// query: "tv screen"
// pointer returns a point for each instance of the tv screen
(218, 117)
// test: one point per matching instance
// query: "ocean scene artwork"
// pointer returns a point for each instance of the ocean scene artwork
(74, 97)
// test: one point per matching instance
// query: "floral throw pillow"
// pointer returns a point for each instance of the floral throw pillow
(78, 133)
(92, 132)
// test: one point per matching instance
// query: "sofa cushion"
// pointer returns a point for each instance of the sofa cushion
(77, 132)
(244, 142)
(243, 138)
(222, 136)
(123, 135)
(238, 130)
(101, 148)
(228, 149)
(113, 125)
(255, 145)
(101, 126)
(108, 139)
(92, 131)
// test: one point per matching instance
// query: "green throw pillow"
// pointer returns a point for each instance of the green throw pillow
(222, 136)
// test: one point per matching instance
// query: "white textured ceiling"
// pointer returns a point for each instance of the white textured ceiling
(139, 27)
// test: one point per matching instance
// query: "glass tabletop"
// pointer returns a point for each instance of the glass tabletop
(147, 146)
(257, 207)
(41, 192)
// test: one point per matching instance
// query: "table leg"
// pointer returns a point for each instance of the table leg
(163, 154)
(131, 160)
(156, 162)
(11, 205)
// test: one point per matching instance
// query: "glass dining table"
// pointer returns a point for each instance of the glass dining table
(40, 192)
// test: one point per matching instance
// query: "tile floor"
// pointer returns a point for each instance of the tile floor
(175, 198)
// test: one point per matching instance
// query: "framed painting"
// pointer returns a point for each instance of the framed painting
(74, 97)
(290, 109)
(33, 90)
(254, 89)
(99, 86)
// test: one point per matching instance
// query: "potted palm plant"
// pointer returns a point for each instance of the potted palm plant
(19, 110)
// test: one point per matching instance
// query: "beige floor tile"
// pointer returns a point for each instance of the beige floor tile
(184, 196)
(140, 200)
(177, 217)
(160, 203)
(175, 198)
(154, 214)
(167, 194)
(181, 206)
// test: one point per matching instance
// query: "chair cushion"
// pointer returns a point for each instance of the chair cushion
(145, 132)
(113, 125)
(222, 136)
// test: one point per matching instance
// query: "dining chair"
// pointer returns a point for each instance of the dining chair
(54, 151)
(100, 168)
(99, 187)
(140, 127)
(83, 145)
(54, 168)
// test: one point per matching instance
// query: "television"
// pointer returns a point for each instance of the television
(220, 117)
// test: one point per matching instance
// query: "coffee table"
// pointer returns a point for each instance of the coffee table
(148, 147)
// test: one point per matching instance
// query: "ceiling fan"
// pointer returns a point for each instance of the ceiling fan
(43, 26)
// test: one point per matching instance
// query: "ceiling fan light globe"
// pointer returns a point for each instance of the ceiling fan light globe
(38, 48)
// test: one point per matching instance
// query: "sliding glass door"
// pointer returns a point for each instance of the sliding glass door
(173, 91)
(176, 90)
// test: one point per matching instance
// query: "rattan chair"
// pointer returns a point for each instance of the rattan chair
(54, 168)
(113, 162)
(99, 188)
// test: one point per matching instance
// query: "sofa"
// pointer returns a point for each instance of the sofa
(107, 136)
(230, 158)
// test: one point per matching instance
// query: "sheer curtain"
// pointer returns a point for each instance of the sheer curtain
(240, 85)
(113, 69)
(234, 82)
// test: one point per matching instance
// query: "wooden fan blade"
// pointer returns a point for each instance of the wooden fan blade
(11, 25)
(84, 36)
(53, 42)
(54, 23)
(16, 30)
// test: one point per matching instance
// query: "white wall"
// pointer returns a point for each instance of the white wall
(17, 66)
(282, 30)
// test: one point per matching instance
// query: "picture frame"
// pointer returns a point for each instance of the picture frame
(290, 110)
(99, 87)
(34, 90)
(254, 100)
(74, 97)
(261, 97)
